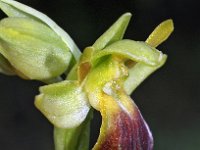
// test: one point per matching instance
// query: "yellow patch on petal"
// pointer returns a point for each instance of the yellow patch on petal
(102, 73)
(161, 33)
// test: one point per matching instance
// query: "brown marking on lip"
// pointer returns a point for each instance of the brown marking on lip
(128, 133)
(123, 127)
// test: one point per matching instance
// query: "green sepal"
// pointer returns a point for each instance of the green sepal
(15, 9)
(134, 50)
(12, 11)
(5, 66)
(64, 104)
(72, 75)
(114, 33)
(138, 73)
(33, 48)
(74, 138)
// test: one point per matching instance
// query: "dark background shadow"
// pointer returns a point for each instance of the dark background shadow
(169, 99)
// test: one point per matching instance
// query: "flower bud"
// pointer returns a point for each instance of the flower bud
(33, 48)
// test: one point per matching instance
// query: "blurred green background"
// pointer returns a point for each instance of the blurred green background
(169, 99)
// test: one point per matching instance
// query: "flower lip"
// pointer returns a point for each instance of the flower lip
(129, 134)
(123, 126)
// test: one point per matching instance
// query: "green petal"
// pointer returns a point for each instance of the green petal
(5, 66)
(63, 103)
(16, 9)
(160, 33)
(114, 33)
(135, 50)
(33, 48)
(138, 74)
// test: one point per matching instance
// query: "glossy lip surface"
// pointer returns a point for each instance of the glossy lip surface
(129, 134)
(123, 127)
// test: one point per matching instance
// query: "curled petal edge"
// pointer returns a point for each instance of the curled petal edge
(64, 104)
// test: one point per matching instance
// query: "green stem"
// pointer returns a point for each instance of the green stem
(73, 139)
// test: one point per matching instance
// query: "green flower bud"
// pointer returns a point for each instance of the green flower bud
(33, 48)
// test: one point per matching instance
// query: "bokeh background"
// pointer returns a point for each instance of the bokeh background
(169, 99)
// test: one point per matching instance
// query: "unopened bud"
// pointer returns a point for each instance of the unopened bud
(33, 48)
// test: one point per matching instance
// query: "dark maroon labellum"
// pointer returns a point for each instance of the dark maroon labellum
(129, 133)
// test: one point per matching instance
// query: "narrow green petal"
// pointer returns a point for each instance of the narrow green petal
(135, 50)
(5, 66)
(114, 33)
(72, 75)
(139, 72)
(17, 9)
(84, 65)
(161, 33)
(64, 104)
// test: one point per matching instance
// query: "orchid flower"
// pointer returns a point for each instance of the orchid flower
(102, 77)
